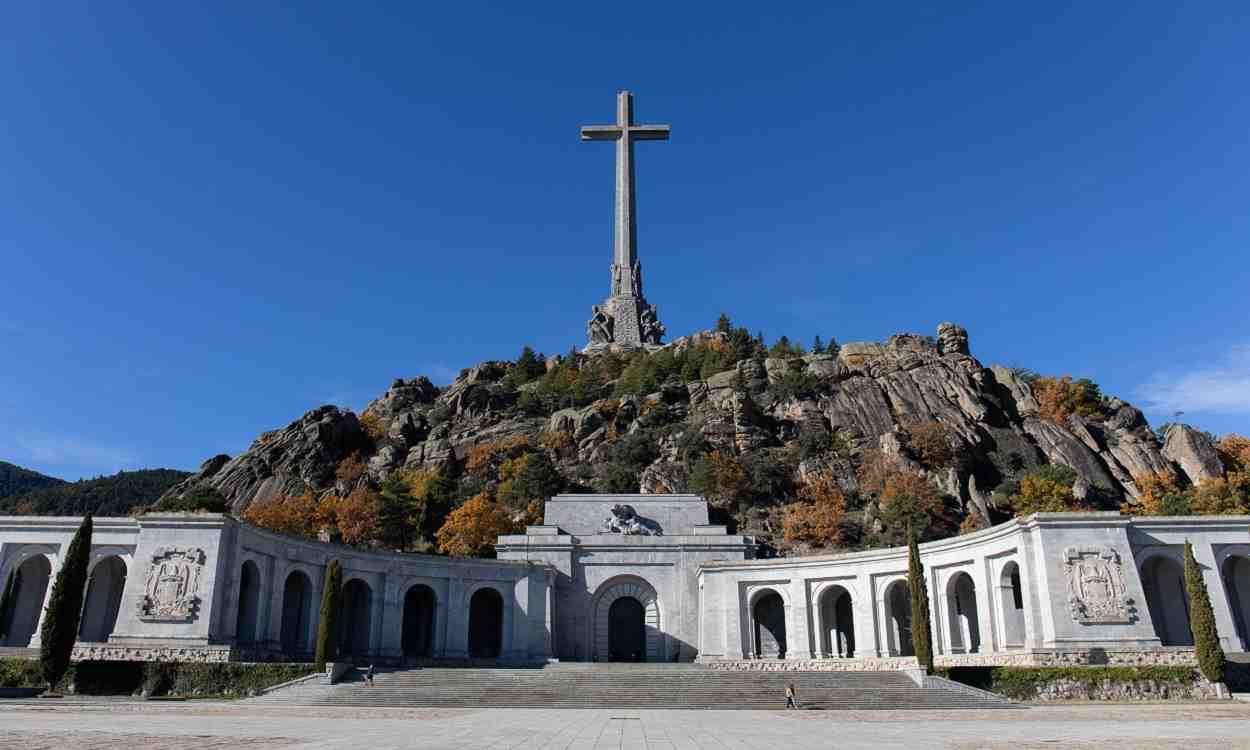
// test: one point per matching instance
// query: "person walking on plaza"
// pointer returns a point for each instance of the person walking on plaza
(369, 676)
(791, 700)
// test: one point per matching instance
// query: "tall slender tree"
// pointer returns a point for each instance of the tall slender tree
(327, 625)
(921, 634)
(1202, 621)
(60, 622)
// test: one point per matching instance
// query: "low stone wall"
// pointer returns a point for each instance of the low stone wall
(1120, 684)
(1096, 657)
(193, 654)
(871, 664)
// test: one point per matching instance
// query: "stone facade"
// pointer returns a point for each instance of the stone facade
(1048, 590)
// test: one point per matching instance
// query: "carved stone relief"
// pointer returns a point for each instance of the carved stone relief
(1096, 590)
(171, 593)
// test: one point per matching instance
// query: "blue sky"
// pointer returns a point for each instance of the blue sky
(215, 218)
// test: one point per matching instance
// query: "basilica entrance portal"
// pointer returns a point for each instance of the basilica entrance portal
(625, 622)
(627, 630)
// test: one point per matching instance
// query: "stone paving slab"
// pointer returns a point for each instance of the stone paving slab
(243, 726)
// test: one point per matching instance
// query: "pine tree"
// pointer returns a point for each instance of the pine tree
(1202, 621)
(327, 626)
(818, 346)
(723, 324)
(6, 604)
(921, 637)
(60, 621)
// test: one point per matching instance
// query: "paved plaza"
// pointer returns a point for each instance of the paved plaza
(139, 726)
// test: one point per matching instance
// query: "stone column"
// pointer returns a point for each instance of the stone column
(275, 586)
(800, 645)
(457, 635)
(378, 615)
(36, 639)
(391, 644)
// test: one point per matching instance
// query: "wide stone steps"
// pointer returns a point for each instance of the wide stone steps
(630, 686)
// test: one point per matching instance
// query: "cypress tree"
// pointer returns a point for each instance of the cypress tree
(921, 638)
(60, 621)
(328, 625)
(6, 604)
(1202, 621)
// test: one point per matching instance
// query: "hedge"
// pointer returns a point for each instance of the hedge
(156, 678)
(1022, 683)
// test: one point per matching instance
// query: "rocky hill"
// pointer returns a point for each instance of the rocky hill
(651, 421)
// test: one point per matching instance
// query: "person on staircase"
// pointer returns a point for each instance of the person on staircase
(791, 697)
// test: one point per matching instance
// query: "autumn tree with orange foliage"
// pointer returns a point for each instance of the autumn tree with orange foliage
(298, 515)
(373, 426)
(1060, 398)
(483, 460)
(471, 530)
(350, 470)
(931, 441)
(357, 516)
(1042, 493)
(816, 518)
(1234, 451)
(909, 500)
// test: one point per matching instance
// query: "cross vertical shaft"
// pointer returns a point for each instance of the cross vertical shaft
(613, 322)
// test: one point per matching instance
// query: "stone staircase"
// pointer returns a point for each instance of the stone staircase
(580, 685)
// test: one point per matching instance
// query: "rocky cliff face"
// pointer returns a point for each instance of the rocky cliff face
(859, 395)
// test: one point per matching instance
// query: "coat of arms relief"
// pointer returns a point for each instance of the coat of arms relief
(171, 593)
(1096, 590)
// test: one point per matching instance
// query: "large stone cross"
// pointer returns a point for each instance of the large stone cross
(625, 318)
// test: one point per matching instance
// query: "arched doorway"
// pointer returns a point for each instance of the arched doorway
(30, 585)
(1236, 575)
(296, 601)
(103, 600)
(1164, 581)
(837, 623)
(898, 619)
(486, 624)
(249, 603)
(605, 598)
(961, 608)
(1011, 599)
(356, 618)
(627, 630)
(418, 629)
(769, 614)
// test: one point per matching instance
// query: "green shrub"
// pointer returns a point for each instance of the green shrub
(327, 628)
(921, 637)
(60, 622)
(1202, 621)
(156, 678)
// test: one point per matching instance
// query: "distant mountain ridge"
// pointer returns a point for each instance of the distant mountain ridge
(103, 496)
(14, 480)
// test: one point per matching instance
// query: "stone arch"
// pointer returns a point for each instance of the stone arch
(249, 603)
(1011, 600)
(296, 611)
(1163, 578)
(417, 634)
(30, 580)
(768, 624)
(961, 610)
(103, 598)
(486, 631)
(601, 606)
(835, 605)
(1235, 573)
(356, 618)
(898, 619)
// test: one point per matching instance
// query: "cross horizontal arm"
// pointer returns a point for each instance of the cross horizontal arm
(600, 132)
(649, 132)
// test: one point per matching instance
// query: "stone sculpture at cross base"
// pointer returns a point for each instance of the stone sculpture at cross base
(625, 319)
